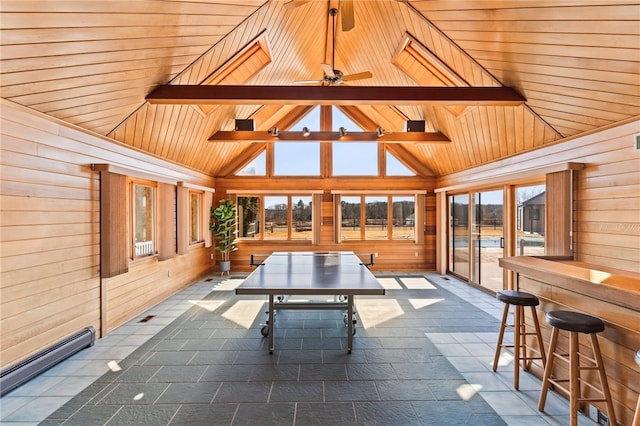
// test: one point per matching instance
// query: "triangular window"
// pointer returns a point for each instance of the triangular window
(395, 167)
(257, 166)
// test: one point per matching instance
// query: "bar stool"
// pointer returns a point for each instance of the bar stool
(636, 416)
(574, 323)
(519, 299)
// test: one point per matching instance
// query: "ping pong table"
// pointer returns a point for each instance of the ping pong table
(311, 273)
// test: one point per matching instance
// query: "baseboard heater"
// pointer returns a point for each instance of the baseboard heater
(25, 370)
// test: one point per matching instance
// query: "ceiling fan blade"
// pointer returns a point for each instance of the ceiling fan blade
(357, 76)
(348, 18)
(328, 70)
(295, 3)
(308, 81)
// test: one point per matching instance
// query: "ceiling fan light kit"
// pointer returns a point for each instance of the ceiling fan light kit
(331, 75)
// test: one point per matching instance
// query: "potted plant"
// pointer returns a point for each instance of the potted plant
(223, 224)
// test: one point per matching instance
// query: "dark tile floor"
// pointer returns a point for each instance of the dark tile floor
(421, 356)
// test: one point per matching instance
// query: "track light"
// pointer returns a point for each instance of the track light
(343, 131)
(306, 132)
(274, 131)
(380, 132)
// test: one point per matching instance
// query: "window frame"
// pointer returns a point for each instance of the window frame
(290, 196)
(197, 221)
(363, 216)
(133, 184)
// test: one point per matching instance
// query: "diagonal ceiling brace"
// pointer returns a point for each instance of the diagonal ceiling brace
(334, 95)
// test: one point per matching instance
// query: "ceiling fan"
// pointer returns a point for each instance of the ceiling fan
(334, 76)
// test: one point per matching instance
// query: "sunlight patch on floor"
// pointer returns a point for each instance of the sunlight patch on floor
(417, 283)
(244, 312)
(228, 284)
(376, 311)
(209, 305)
(390, 283)
(421, 303)
(467, 391)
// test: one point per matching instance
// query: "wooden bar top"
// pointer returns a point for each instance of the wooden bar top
(608, 284)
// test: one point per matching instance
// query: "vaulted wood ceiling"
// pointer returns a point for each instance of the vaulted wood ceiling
(92, 63)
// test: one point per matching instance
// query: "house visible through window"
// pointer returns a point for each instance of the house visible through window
(144, 220)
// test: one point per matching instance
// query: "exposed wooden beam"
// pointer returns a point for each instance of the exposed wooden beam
(257, 136)
(333, 95)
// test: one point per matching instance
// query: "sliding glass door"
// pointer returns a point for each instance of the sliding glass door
(487, 239)
(459, 235)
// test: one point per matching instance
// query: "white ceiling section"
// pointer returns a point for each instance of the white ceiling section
(93, 63)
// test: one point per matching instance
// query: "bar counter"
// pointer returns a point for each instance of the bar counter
(610, 294)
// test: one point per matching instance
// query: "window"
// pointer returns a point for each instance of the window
(296, 158)
(351, 217)
(403, 216)
(377, 218)
(143, 208)
(249, 217)
(276, 224)
(257, 166)
(376, 211)
(530, 226)
(301, 217)
(299, 158)
(195, 217)
(344, 155)
(286, 217)
(395, 167)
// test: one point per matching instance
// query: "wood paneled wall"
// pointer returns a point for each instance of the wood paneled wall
(50, 285)
(392, 254)
(606, 220)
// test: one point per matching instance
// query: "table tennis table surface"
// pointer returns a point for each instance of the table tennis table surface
(317, 273)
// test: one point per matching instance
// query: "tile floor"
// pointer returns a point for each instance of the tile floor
(422, 355)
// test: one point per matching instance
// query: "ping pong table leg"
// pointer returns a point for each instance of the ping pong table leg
(350, 322)
(271, 323)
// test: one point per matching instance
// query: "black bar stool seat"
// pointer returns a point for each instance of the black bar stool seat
(515, 297)
(523, 352)
(575, 323)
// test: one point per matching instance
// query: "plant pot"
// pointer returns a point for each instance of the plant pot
(225, 266)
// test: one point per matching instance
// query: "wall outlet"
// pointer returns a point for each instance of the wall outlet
(169, 274)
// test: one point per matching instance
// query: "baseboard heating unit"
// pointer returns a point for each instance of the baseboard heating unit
(25, 370)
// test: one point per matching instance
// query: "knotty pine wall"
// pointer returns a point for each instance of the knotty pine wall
(50, 284)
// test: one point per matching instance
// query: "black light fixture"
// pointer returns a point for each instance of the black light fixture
(245, 125)
(274, 131)
(306, 132)
(343, 131)
(415, 126)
